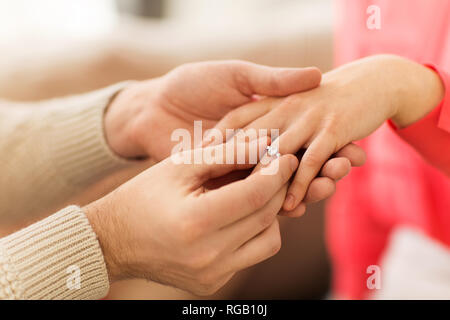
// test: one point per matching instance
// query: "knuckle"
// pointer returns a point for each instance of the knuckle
(203, 260)
(210, 255)
(274, 239)
(241, 79)
(331, 130)
(257, 198)
(188, 229)
(288, 102)
(239, 68)
(276, 248)
(230, 118)
(236, 62)
(291, 102)
(276, 243)
(266, 220)
(311, 159)
(286, 173)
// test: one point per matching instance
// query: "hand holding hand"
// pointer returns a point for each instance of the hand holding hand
(163, 225)
(141, 119)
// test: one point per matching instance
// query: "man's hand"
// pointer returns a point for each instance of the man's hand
(141, 119)
(165, 226)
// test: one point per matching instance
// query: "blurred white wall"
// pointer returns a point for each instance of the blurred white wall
(55, 18)
(78, 45)
(43, 19)
(219, 11)
(230, 12)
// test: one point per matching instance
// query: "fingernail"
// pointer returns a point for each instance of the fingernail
(294, 164)
(289, 203)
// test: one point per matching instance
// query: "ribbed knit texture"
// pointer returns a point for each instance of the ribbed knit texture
(48, 152)
(81, 145)
(35, 262)
(52, 150)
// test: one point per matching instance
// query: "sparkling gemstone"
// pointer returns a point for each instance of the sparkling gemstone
(272, 151)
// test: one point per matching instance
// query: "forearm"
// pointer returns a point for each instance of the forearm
(127, 112)
(415, 97)
(401, 89)
(420, 89)
(52, 150)
(430, 134)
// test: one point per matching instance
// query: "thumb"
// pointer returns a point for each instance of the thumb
(269, 81)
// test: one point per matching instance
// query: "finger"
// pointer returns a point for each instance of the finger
(258, 249)
(297, 212)
(237, 119)
(336, 168)
(273, 120)
(354, 153)
(238, 233)
(227, 179)
(320, 189)
(295, 138)
(202, 164)
(315, 156)
(253, 79)
(243, 197)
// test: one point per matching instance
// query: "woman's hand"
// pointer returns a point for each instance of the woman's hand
(165, 226)
(351, 103)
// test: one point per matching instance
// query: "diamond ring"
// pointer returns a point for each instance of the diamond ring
(272, 151)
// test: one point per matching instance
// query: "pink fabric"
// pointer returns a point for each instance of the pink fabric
(404, 181)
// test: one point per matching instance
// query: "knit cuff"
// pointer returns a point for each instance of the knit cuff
(56, 258)
(81, 153)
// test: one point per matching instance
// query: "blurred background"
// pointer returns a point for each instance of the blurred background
(55, 47)
(52, 48)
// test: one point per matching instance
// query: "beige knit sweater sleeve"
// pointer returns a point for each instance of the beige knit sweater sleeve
(56, 258)
(47, 152)
(51, 150)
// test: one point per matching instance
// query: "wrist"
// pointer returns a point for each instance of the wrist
(103, 226)
(421, 91)
(123, 117)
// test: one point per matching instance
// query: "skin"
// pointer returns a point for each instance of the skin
(204, 91)
(200, 224)
(351, 103)
(179, 233)
(140, 120)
